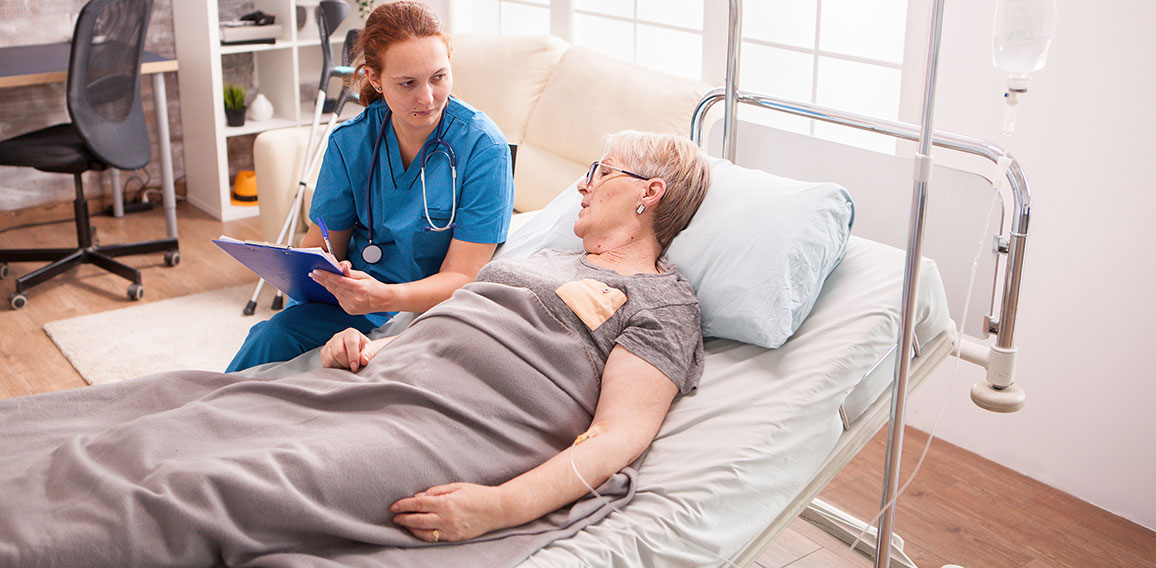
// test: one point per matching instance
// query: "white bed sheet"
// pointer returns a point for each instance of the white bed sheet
(733, 455)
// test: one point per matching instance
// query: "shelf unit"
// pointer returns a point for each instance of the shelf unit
(279, 71)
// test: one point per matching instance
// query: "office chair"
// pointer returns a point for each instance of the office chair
(108, 129)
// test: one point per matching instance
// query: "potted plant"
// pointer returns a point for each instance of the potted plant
(364, 7)
(234, 104)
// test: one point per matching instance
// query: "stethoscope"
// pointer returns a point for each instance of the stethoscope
(372, 251)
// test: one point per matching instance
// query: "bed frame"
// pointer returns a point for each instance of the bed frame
(964, 193)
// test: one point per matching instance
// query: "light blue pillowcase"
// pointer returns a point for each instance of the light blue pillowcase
(757, 252)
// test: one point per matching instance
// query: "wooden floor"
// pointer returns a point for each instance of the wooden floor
(961, 509)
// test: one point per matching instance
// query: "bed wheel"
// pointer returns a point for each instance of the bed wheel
(135, 292)
(172, 258)
(17, 300)
(4, 270)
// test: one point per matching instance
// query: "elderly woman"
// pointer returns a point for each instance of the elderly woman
(483, 421)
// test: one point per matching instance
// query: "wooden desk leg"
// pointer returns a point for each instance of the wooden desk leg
(168, 193)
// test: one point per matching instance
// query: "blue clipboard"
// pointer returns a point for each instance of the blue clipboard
(285, 268)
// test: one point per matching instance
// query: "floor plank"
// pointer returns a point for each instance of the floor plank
(30, 361)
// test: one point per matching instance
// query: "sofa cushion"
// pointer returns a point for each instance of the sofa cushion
(503, 76)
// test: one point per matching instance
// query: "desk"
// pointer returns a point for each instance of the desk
(48, 63)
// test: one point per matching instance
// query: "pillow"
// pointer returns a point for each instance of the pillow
(757, 252)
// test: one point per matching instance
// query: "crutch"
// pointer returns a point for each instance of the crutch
(330, 14)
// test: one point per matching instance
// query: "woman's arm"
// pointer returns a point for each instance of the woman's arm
(634, 400)
(360, 293)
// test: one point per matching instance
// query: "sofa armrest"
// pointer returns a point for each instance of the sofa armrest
(277, 157)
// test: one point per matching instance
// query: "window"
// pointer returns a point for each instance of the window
(846, 54)
(511, 17)
(666, 35)
(841, 53)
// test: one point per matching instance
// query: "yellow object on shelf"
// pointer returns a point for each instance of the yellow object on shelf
(245, 188)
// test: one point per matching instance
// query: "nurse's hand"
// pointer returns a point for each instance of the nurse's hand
(357, 292)
(350, 349)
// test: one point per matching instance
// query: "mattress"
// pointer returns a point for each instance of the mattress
(738, 458)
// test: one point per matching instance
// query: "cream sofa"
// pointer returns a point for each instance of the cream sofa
(553, 100)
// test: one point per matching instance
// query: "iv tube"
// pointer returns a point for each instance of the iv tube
(1023, 34)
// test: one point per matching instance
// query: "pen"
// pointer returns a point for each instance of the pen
(325, 234)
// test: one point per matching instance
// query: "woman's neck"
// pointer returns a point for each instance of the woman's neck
(637, 256)
(410, 141)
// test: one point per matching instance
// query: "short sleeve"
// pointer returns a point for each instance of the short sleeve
(333, 198)
(670, 338)
(487, 194)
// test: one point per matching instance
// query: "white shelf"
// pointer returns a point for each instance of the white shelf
(255, 47)
(280, 69)
(254, 126)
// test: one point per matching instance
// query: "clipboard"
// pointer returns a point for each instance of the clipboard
(284, 267)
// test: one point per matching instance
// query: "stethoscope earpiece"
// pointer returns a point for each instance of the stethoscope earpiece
(372, 252)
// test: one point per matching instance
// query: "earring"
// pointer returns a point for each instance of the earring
(640, 209)
(378, 89)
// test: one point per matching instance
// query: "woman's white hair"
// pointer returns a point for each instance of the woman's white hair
(675, 159)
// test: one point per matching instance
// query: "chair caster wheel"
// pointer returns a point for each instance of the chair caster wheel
(135, 292)
(4, 270)
(172, 258)
(17, 300)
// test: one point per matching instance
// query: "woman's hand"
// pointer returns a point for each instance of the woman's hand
(349, 349)
(357, 292)
(450, 513)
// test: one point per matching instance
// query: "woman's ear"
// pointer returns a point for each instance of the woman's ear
(653, 191)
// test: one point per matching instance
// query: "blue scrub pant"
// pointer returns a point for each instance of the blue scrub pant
(294, 330)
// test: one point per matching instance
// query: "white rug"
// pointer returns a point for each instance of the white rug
(201, 332)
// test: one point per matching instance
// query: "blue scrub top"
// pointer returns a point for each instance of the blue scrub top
(410, 252)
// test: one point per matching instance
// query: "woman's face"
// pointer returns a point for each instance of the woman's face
(415, 81)
(609, 201)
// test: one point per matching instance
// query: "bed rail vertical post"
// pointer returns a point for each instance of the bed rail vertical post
(910, 285)
(730, 114)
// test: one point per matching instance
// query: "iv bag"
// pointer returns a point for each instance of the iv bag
(1024, 30)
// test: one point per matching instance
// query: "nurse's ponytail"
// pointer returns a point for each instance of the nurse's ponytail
(388, 24)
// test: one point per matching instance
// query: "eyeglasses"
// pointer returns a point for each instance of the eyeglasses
(595, 175)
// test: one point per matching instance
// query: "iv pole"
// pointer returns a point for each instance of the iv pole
(922, 178)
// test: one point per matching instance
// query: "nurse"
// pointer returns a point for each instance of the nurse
(406, 238)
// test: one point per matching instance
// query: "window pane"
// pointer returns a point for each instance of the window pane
(864, 28)
(480, 16)
(790, 22)
(623, 8)
(539, 2)
(611, 37)
(777, 72)
(679, 53)
(682, 13)
(524, 20)
(860, 88)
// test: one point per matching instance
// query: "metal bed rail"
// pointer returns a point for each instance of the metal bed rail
(1003, 324)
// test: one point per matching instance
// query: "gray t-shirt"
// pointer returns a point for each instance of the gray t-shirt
(654, 316)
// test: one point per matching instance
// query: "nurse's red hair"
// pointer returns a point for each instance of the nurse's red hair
(389, 24)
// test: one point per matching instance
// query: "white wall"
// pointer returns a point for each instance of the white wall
(1087, 306)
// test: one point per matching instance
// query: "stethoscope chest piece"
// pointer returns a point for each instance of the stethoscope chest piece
(371, 253)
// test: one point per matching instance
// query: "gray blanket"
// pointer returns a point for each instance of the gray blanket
(197, 469)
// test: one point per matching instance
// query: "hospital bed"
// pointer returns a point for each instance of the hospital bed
(741, 458)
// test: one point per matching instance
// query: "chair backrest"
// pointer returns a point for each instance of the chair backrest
(104, 98)
(330, 14)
